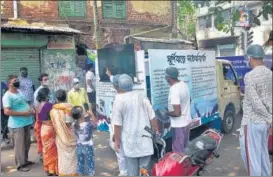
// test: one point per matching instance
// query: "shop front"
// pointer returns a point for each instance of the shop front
(42, 50)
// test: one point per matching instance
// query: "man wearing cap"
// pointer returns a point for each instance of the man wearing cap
(120, 155)
(257, 117)
(78, 96)
(178, 110)
(132, 112)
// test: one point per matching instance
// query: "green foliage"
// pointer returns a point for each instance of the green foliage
(187, 18)
(228, 26)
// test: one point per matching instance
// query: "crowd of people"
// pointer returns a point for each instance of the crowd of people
(65, 121)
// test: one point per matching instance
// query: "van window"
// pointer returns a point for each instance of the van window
(229, 73)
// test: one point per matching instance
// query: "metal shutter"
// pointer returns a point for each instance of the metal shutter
(14, 59)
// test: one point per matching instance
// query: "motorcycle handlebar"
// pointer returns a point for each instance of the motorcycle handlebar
(149, 130)
(156, 138)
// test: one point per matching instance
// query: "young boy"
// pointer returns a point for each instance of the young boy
(83, 129)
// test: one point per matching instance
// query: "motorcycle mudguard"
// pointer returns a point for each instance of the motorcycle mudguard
(173, 164)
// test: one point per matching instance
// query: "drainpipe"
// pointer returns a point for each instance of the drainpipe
(174, 18)
(15, 10)
(96, 24)
(143, 32)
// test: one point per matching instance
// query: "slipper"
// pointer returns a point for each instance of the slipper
(29, 163)
(41, 158)
(23, 169)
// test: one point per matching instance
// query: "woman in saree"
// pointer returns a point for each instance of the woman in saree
(49, 149)
(65, 136)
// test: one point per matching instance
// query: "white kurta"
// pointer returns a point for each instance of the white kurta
(133, 112)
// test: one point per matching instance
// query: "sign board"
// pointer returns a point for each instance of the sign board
(244, 19)
(60, 42)
(105, 92)
(196, 68)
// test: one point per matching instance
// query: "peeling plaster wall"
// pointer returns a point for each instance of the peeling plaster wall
(141, 15)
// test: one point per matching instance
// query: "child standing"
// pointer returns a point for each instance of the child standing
(85, 152)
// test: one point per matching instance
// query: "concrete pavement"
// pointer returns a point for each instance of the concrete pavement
(106, 164)
(228, 164)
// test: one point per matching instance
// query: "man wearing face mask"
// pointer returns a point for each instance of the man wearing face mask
(179, 110)
(20, 120)
(26, 85)
(78, 96)
(257, 114)
(44, 83)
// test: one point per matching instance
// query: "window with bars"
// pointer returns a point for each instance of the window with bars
(70, 9)
(114, 9)
(205, 21)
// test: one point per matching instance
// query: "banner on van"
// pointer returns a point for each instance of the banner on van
(196, 68)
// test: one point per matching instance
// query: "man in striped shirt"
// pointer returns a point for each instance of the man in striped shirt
(257, 117)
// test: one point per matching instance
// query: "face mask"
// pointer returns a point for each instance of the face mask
(77, 86)
(112, 79)
(24, 74)
(16, 84)
(45, 83)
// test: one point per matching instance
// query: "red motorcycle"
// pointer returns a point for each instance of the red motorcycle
(198, 154)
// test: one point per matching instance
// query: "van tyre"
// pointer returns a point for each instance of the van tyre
(228, 121)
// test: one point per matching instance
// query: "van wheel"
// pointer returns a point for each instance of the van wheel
(228, 121)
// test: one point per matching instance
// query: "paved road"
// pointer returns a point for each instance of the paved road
(228, 164)
(106, 164)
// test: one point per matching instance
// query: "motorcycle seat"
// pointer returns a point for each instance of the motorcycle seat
(210, 147)
(200, 148)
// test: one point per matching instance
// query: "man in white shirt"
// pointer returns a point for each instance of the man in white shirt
(90, 80)
(120, 155)
(44, 83)
(178, 110)
(131, 113)
(257, 117)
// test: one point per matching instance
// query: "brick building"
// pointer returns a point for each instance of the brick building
(45, 35)
(116, 19)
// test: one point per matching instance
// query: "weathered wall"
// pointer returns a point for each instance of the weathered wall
(157, 12)
(150, 11)
(6, 9)
(36, 10)
(58, 60)
(149, 14)
(60, 66)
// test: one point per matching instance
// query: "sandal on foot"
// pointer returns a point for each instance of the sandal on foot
(23, 169)
(30, 163)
